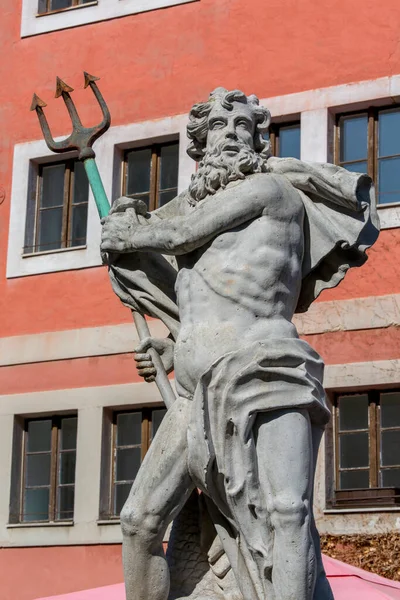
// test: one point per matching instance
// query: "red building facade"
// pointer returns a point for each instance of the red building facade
(68, 389)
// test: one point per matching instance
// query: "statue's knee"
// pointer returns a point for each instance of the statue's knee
(288, 510)
(130, 520)
(140, 523)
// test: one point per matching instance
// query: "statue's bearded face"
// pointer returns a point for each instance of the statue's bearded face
(230, 130)
(229, 153)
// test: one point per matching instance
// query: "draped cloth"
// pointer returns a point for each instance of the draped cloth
(264, 376)
(340, 223)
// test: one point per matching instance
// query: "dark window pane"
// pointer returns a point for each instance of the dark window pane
(289, 141)
(68, 433)
(390, 448)
(389, 180)
(353, 138)
(38, 469)
(128, 463)
(360, 167)
(389, 133)
(79, 225)
(39, 436)
(169, 166)
(52, 186)
(389, 197)
(129, 429)
(390, 478)
(138, 171)
(42, 7)
(390, 410)
(354, 480)
(36, 505)
(49, 232)
(121, 492)
(65, 505)
(354, 450)
(353, 412)
(81, 183)
(58, 4)
(31, 206)
(156, 418)
(166, 197)
(67, 467)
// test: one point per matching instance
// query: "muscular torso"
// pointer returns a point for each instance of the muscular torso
(240, 288)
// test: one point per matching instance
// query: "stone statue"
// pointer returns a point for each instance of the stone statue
(225, 265)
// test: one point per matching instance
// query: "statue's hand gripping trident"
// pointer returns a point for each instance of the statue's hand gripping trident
(81, 140)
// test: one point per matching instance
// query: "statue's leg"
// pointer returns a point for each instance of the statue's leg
(285, 465)
(161, 488)
(322, 588)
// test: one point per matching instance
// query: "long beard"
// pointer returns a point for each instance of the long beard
(217, 169)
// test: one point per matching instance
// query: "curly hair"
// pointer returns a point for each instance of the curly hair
(197, 128)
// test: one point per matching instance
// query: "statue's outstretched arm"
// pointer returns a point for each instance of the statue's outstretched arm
(182, 234)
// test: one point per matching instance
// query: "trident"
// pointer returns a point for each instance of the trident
(81, 140)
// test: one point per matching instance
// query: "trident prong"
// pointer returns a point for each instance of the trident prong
(81, 138)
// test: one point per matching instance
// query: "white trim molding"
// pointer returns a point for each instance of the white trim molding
(109, 151)
(362, 375)
(74, 343)
(100, 10)
(372, 312)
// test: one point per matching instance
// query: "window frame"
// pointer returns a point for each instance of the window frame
(75, 4)
(107, 501)
(18, 471)
(32, 229)
(372, 159)
(274, 133)
(373, 496)
(155, 172)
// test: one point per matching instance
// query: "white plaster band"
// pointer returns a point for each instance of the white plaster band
(73, 343)
(374, 312)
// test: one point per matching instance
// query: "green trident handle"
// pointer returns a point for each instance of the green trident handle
(103, 207)
(82, 139)
(97, 187)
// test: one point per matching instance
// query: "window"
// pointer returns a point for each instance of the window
(57, 208)
(367, 448)
(151, 174)
(46, 6)
(127, 437)
(369, 142)
(43, 486)
(285, 139)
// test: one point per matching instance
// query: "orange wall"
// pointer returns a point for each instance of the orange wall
(158, 63)
(29, 573)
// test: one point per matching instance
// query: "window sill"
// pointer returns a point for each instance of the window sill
(387, 205)
(44, 524)
(58, 251)
(63, 10)
(369, 509)
(110, 521)
(389, 215)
